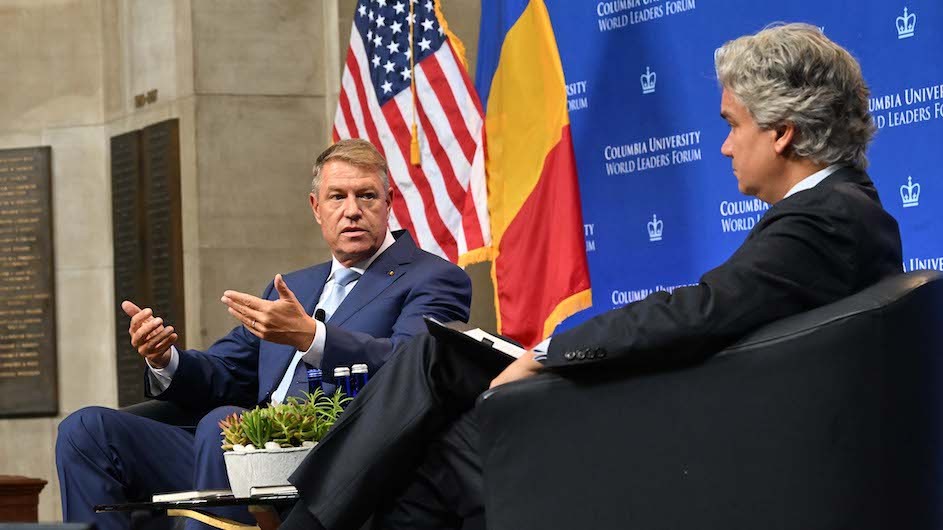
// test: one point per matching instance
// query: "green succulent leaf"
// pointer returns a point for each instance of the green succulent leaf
(288, 424)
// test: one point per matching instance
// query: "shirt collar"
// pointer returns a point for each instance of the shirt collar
(361, 266)
(812, 180)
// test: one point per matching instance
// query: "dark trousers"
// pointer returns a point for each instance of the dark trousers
(106, 456)
(405, 449)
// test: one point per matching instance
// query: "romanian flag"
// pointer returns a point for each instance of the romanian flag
(538, 250)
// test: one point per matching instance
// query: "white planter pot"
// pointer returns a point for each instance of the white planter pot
(262, 467)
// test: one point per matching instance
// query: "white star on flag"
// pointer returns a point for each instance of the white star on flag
(362, 10)
(396, 27)
(393, 47)
(388, 66)
(398, 7)
(381, 22)
(376, 60)
(424, 44)
(429, 5)
(406, 74)
(382, 3)
(387, 87)
(427, 24)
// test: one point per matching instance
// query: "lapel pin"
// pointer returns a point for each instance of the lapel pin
(390, 273)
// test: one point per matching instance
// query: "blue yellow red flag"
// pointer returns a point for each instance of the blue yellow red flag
(539, 266)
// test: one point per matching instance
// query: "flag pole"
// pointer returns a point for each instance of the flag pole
(414, 140)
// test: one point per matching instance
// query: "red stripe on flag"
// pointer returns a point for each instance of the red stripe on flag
(473, 236)
(548, 224)
(467, 79)
(454, 188)
(335, 135)
(400, 210)
(443, 91)
(372, 135)
(348, 117)
(402, 135)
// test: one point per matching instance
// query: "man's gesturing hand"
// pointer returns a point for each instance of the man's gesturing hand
(283, 321)
(148, 334)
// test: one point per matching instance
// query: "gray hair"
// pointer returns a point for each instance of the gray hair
(792, 73)
(356, 152)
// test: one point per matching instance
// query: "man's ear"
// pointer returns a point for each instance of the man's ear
(313, 199)
(389, 199)
(785, 136)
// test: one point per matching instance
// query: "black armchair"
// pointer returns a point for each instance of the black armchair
(167, 412)
(826, 420)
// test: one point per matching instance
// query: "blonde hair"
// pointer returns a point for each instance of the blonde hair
(792, 73)
(356, 152)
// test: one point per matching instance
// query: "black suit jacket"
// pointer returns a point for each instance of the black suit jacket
(810, 249)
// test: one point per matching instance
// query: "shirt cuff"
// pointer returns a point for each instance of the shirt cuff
(159, 378)
(540, 350)
(316, 351)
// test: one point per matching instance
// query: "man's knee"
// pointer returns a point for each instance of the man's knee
(207, 431)
(82, 429)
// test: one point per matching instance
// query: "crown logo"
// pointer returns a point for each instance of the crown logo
(906, 24)
(654, 229)
(648, 80)
(910, 193)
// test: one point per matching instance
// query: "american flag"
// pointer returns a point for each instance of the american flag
(442, 202)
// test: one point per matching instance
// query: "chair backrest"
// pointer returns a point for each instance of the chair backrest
(911, 293)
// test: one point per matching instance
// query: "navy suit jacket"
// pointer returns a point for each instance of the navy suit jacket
(384, 309)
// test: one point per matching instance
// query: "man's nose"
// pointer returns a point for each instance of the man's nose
(725, 148)
(351, 207)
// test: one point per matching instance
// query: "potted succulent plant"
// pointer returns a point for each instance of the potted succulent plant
(263, 446)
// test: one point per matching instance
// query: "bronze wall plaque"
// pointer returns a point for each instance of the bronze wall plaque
(28, 375)
(148, 240)
(127, 234)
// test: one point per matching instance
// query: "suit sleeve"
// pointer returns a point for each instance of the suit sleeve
(445, 295)
(225, 374)
(800, 260)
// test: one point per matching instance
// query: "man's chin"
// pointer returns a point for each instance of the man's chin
(350, 254)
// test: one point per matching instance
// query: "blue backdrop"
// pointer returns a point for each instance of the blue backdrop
(660, 203)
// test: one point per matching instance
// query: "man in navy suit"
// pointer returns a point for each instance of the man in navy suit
(367, 300)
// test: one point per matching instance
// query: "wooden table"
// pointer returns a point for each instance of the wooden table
(19, 498)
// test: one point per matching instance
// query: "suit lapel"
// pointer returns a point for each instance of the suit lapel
(310, 291)
(387, 268)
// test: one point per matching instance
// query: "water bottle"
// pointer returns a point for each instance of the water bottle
(358, 377)
(342, 379)
(314, 379)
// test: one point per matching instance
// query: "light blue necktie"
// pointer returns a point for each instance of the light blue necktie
(298, 371)
(342, 277)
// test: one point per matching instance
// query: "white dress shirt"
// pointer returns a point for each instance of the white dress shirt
(812, 180)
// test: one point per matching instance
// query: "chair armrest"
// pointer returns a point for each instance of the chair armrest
(167, 412)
